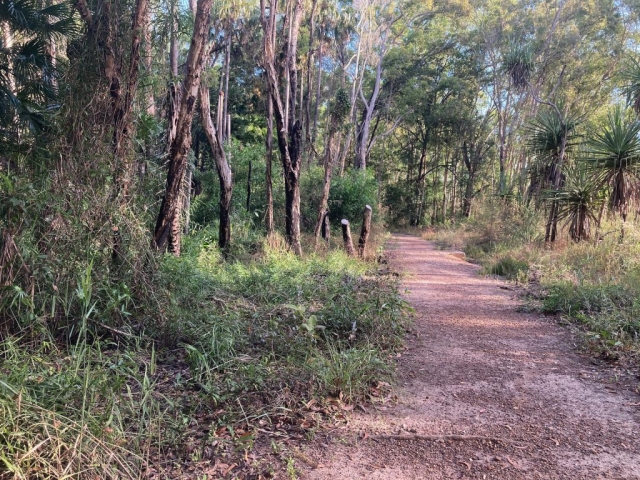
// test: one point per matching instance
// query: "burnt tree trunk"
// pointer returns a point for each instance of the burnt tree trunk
(346, 238)
(249, 186)
(180, 145)
(364, 231)
(326, 228)
(224, 171)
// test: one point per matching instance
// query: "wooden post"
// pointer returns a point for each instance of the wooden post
(364, 231)
(346, 236)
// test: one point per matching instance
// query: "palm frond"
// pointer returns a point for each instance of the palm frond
(577, 201)
(518, 63)
(613, 156)
(630, 75)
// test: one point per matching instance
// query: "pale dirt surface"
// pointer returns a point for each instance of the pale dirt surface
(476, 367)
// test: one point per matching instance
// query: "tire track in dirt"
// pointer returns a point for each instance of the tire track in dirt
(476, 367)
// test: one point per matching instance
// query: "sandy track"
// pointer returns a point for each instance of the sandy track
(476, 367)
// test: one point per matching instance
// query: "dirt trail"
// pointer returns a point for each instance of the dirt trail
(477, 367)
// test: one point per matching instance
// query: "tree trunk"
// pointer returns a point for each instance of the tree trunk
(187, 199)
(180, 145)
(150, 101)
(225, 132)
(306, 100)
(323, 210)
(363, 128)
(318, 86)
(268, 216)
(249, 186)
(346, 238)
(224, 171)
(364, 231)
(468, 193)
(289, 130)
(326, 228)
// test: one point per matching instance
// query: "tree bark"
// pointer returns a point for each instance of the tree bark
(224, 171)
(326, 228)
(363, 128)
(468, 192)
(249, 186)
(306, 100)
(187, 198)
(323, 210)
(180, 145)
(268, 216)
(364, 231)
(346, 238)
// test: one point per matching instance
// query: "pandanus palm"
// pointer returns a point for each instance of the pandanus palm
(518, 64)
(546, 134)
(27, 66)
(577, 202)
(551, 136)
(614, 156)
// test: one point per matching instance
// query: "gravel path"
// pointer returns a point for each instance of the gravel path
(486, 392)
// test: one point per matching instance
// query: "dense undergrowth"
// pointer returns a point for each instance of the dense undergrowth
(594, 284)
(231, 346)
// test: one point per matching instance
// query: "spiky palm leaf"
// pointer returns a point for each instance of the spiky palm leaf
(614, 157)
(577, 201)
(518, 63)
(630, 75)
(544, 137)
(27, 73)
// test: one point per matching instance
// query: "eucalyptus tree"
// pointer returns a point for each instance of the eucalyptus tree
(339, 110)
(123, 84)
(283, 89)
(167, 230)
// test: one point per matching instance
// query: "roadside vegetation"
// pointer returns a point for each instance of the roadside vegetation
(236, 351)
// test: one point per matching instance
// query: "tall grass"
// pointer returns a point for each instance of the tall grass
(252, 336)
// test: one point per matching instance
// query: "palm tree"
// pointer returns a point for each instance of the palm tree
(551, 136)
(577, 202)
(27, 66)
(518, 64)
(614, 157)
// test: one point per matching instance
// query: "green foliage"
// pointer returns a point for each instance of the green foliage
(347, 198)
(508, 267)
(27, 70)
(350, 193)
(614, 156)
(205, 207)
(630, 75)
(518, 62)
(578, 201)
(340, 107)
(241, 323)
